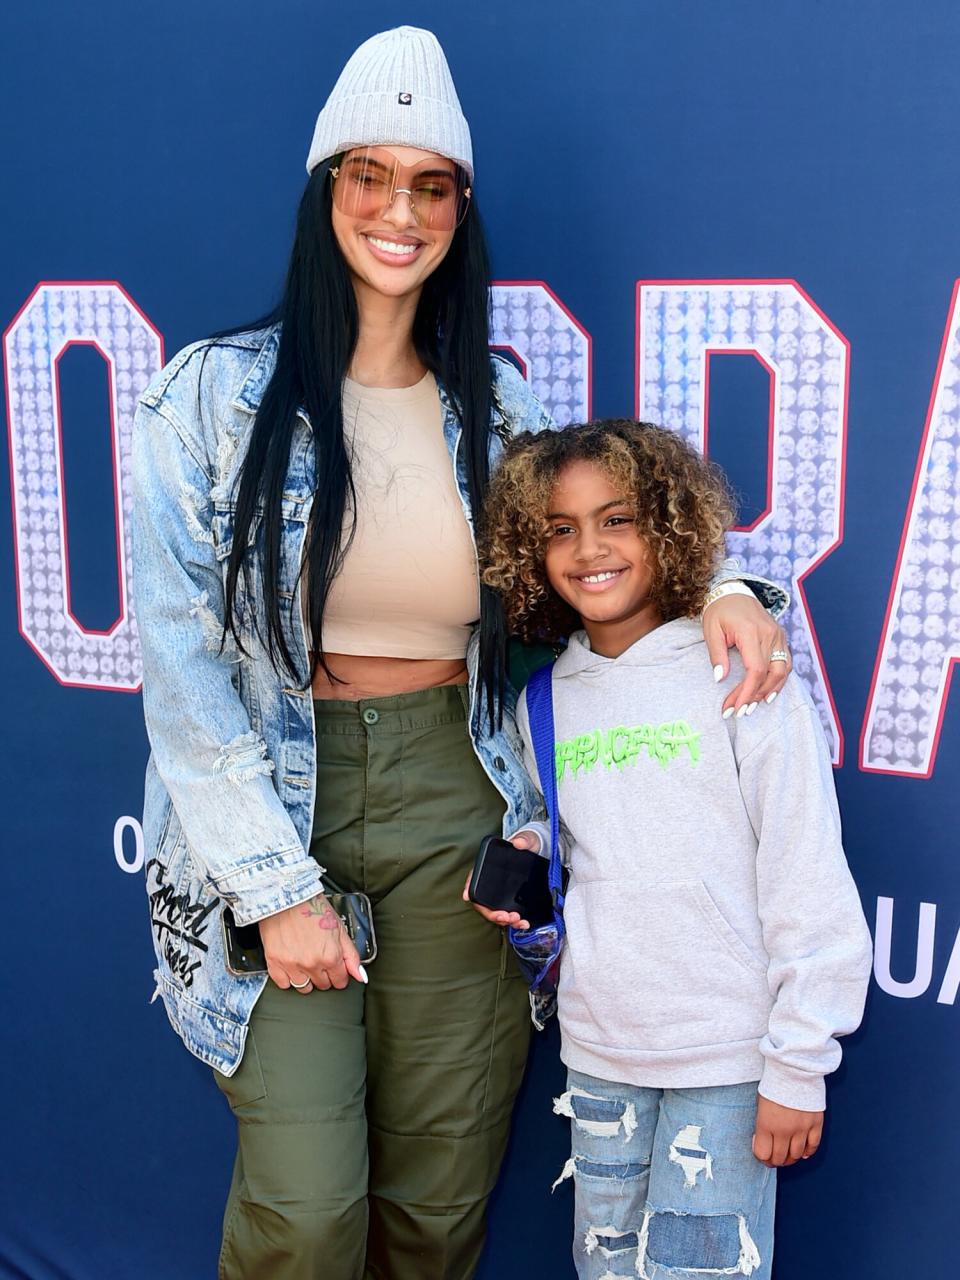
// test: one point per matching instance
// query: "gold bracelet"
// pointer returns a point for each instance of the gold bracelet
(732, 588)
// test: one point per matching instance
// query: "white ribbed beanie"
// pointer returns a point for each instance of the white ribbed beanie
(396, 89)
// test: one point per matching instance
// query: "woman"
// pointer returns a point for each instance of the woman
(299, 528)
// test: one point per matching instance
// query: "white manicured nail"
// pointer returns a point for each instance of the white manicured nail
(752, 708)
(363, 974)
(742, 711)
(770, 696)
(718, 673)
(728, 713)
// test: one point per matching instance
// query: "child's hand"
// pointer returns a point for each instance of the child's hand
(784, 1135)
(522, 840)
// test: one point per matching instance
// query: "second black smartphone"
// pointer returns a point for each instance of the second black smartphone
(506, 878)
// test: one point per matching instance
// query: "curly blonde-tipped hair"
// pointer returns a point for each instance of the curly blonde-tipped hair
(683, 509)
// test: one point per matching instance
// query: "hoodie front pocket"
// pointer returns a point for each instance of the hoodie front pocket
(656, 969)
(724, 930)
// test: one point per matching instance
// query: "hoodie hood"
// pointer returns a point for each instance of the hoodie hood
(665, 644)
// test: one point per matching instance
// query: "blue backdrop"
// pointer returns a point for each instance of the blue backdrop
(688, 181)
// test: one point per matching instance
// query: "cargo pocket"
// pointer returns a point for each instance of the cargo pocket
(246, 1085)
(509, 1035)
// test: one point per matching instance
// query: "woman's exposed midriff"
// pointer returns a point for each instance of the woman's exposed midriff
(361, 676)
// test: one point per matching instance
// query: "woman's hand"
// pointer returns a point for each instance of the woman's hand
(744, 624)
(784, 1135)
(307, 947)
(522, 840)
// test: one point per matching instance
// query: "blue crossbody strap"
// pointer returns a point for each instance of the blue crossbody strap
(539, 694)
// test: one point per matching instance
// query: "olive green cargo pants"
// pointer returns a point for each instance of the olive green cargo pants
(372, 1121)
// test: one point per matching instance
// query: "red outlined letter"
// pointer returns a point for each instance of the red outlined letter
(55, 317)
(708, 353)
(680, 323)
(530, 319)
(920, 643)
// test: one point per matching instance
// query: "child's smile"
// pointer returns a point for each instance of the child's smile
(596, 560)
(600, 581)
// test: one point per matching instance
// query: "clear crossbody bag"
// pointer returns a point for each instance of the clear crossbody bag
(538, 950)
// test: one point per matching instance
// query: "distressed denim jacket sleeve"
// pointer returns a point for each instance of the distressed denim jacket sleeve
(774, 598)
(208, 756)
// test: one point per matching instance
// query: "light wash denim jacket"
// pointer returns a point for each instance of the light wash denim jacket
(229, 793)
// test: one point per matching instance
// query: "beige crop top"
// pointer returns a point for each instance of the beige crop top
(409, 586)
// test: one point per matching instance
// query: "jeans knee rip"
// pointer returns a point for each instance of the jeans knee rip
(687, 1151)
(599, 1117)
(609, 1241)
(696, 1244)
(585, 1168)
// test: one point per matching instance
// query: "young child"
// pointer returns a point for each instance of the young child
(716, 946)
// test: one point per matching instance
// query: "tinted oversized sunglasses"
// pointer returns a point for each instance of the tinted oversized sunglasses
(367, 183)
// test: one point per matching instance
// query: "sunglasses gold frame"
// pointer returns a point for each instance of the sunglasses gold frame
(465, 196)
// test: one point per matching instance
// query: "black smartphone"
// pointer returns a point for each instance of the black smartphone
(243, 947)
(506, 878)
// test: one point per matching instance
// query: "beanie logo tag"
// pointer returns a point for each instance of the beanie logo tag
(405, 99)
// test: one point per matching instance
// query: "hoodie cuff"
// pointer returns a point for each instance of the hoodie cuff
(793, 1088)
(539, 829)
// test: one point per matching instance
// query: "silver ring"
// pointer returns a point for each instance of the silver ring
(779, 655)
(299, 986)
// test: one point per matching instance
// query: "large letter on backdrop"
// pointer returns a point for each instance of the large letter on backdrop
(680, 325)
(921, 631)
(530, 320)
(55, 317)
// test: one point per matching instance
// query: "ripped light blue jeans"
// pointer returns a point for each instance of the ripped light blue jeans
(666, 1184)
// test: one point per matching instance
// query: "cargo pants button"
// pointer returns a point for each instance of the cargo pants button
(370, 715)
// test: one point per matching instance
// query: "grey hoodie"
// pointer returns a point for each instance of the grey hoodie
(714, 932)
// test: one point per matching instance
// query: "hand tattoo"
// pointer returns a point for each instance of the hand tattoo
(327, 918)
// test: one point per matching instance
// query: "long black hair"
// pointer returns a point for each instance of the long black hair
(319, 329)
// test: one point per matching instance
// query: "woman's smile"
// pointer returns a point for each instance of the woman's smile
(396, 251)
